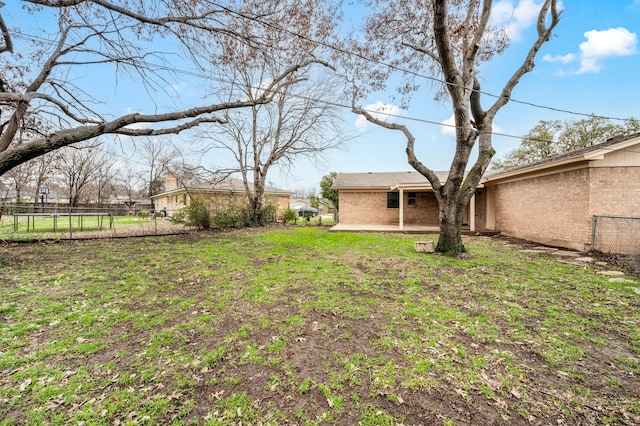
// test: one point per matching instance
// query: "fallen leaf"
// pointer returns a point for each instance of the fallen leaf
(501, 403)
(515, 393)
(216, 395)
(24, 385)
(461, 393)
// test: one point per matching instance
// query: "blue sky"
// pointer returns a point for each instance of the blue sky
(590, 66)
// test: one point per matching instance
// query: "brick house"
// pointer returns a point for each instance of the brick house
(552, 201)
(403, 199)
(219, 195)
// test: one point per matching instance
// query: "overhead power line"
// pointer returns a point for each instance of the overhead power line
(375, 61)
(396, 68)
(348, 107)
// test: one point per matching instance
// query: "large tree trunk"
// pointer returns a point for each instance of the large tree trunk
(257, 202)
(450, 239)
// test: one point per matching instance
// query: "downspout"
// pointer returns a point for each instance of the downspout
(472, 213)
(401, 203)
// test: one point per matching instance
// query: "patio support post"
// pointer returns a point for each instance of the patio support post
(401, 209)
(472, 213)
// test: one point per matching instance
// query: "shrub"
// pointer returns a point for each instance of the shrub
(269, 213)
(234, 215)
(198, 214)
(288, 216)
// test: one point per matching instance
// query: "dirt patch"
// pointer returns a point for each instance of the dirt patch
(260, 333)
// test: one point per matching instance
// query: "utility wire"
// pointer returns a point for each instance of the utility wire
(396, 68)
(159, 67)
(391, 66)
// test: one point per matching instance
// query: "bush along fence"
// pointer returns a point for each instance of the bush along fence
(616, 234)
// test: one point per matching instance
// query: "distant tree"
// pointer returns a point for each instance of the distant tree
(19, 179)
(302, 193)
(299, 123)
(78, 167)
(325, 188)
(41, 170)
(129, 183)
(551, 137)
(314, 201)
(156, 156)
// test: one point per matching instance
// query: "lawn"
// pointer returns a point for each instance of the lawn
(303, 326)
(82, 226)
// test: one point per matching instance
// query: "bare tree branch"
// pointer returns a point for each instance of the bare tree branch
(8, 44)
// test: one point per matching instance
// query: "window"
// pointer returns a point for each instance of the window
(411, 198)
(393, 200)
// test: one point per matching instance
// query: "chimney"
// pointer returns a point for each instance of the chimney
(170, 182)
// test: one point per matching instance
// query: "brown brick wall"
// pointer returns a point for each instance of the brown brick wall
(366, 208)
(371, 208)
(550, 209)
(424, 212)
(481, 208)
(615, 191)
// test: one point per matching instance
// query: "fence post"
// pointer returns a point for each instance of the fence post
(70, 224)
(594, 224)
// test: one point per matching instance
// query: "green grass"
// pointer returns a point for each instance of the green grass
(50, 227)
(305, 326)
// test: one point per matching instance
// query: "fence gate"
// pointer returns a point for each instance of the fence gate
(616, 234)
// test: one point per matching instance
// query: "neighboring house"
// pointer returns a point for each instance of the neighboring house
(220, 195)
(552, 201)
(297, 203)
(324, 205)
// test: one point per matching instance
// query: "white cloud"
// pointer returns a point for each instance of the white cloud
(449, 126)
(119, 164)
(515, 18)
(564, 59)
(598, 46)
(138, 126)
(603, 44)
(380, 110)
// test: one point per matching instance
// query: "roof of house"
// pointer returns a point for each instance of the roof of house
(583, 154)
(391, 180)
(229, 185)
(381, 180)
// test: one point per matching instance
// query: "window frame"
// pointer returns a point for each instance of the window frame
(412, 199)
(393, 200)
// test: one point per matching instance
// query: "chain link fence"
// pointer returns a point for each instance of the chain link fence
(616, 234)
(57, 222)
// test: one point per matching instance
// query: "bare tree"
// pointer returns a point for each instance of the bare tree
(299, 123)
(37, 89)
(129, 182)
(156, 156)
(19, 180)
(449, 39)
(78, 167)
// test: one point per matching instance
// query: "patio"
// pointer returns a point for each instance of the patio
(406, 229)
